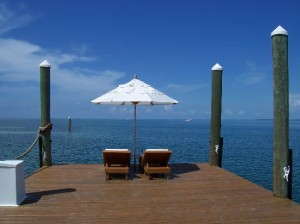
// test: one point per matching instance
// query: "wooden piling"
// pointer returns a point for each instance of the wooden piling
(216, 141)
(41, 151)
(69, 124)
(46, 125)
(290, 182)
(281, 112)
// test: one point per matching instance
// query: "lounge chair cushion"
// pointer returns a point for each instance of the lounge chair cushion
(156, 161)
(116, 161)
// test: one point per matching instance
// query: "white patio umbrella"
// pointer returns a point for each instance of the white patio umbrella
(134, 93)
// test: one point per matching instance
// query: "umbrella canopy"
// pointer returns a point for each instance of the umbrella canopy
(134, 93)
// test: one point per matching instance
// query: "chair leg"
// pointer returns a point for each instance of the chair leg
(126, 176)
(107, 176)
(141, 170)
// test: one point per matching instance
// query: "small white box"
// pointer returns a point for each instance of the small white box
(12, 183)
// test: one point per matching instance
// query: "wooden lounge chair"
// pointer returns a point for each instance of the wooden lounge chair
(155, 161)
(116, 161)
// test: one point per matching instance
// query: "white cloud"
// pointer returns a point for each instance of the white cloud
(192, 112)
(167, 107)
(295, 101)
(228, 112)
(19, 62)
(124, 109)
(148, 110)
(117, 109)
(85, 80)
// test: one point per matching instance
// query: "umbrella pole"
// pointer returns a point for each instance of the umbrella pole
(134, 139)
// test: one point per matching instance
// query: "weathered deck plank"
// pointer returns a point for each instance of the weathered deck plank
(195, 194)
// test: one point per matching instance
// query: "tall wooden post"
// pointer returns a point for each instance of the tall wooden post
(45, 113)
(281, 113)
(216, 141)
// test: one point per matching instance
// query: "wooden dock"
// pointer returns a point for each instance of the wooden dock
(196, 193)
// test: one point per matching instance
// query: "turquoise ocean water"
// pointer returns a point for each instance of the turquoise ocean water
(248, 144)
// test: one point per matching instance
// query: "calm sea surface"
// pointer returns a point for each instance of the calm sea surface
(248, 144)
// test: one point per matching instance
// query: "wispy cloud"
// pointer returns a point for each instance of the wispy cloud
(185, 88)
(252, 77)
(295, 101)
(19, 60)
(168, 107)
(10, 20)
(241, 112)
(229, 112)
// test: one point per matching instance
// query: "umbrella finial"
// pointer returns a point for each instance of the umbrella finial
(135, 76)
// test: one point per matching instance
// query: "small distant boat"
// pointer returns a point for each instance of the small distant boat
(188, 120)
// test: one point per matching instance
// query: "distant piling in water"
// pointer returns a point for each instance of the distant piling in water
(69, 123)
(216, 141)
(46, 126)
(282, 154)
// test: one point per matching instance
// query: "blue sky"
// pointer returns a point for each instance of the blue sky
(93, 46)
